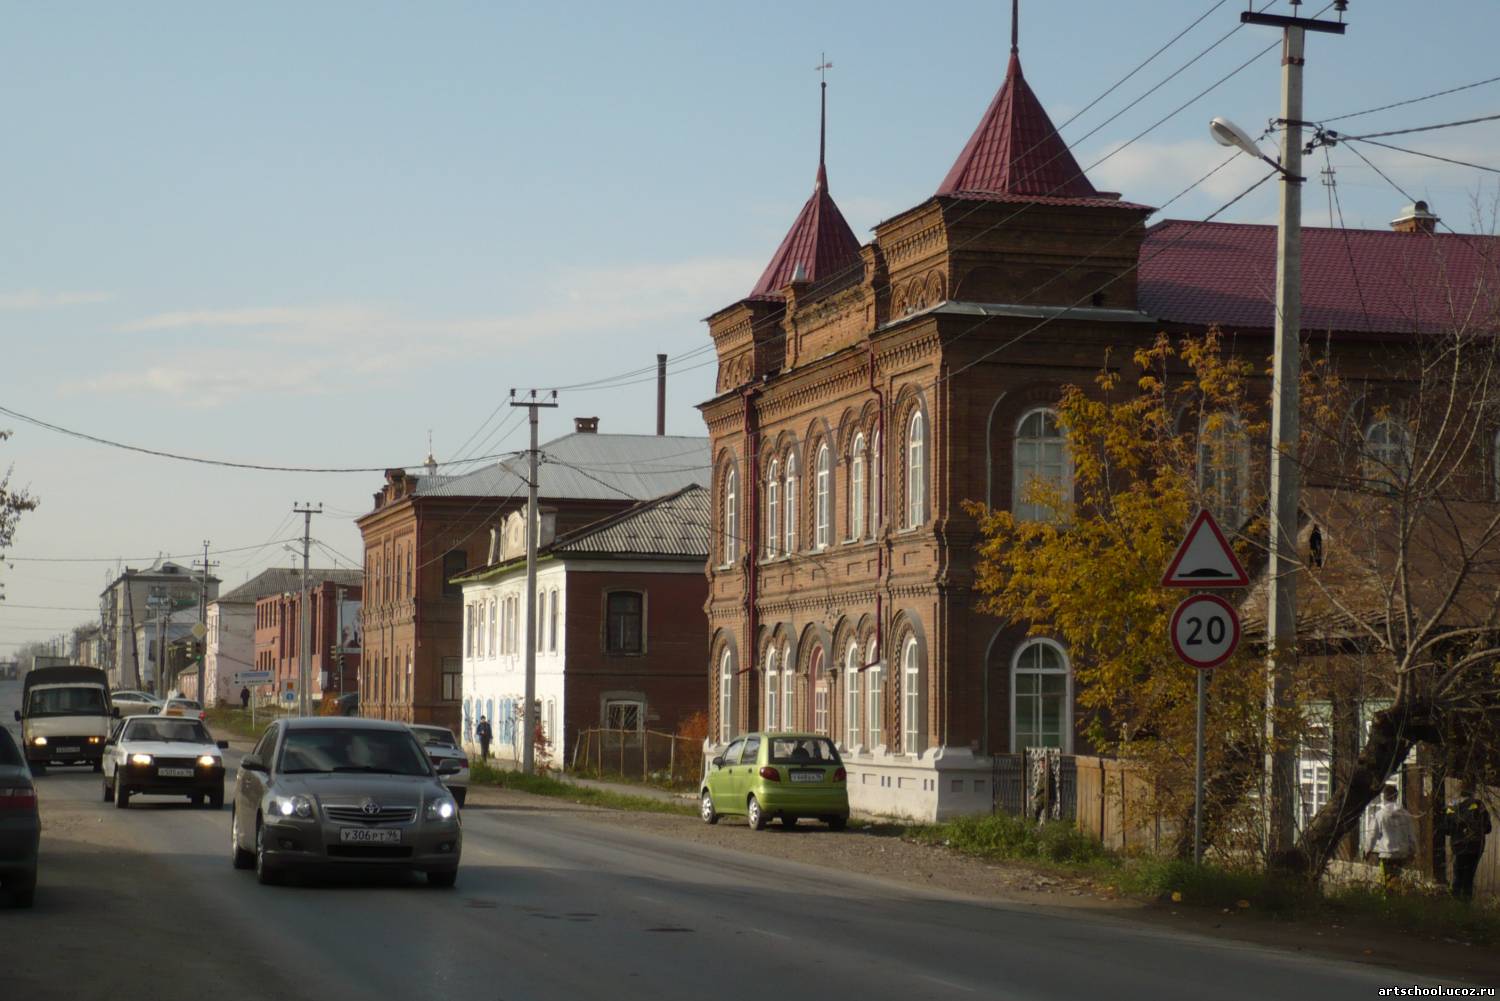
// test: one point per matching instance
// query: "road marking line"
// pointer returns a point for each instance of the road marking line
(772, 934)
(945, 983)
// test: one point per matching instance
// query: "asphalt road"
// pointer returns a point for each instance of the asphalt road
(143, 903)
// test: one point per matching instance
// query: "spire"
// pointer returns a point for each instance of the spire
(820, 241)
(1016, 150)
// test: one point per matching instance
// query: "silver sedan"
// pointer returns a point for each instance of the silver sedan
(338, 792)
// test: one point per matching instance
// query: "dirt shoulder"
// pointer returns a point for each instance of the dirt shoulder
(874, 850)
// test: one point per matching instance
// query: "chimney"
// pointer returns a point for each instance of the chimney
(1415, 218)
(661, 395)
(586, 425)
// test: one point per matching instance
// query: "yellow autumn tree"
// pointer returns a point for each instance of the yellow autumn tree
(1147, 452)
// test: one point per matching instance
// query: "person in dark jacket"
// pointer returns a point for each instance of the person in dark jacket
(245, 698)
(485, 734)
(1466, 822)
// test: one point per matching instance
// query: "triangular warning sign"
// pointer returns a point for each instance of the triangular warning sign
(1204, 559)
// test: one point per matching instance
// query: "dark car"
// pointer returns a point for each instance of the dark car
(20, 824)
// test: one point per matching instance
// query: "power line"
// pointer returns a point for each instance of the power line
(1429, 156)
(48, 608)
(1413, 100)
(1419, 128)
(138, 559)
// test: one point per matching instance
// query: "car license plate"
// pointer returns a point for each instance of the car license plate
(175, 773)
(368, 836)
(807, 776)
(67, 750)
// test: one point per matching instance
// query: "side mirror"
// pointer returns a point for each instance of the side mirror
(252, 762)
(222, 745)
(718, 762)
(18, 715)
(449, 767)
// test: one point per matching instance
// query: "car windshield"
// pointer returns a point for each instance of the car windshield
(85, 700)
(803, 751)
(10, 754)
(435, 736)
(390, 752)
(157, 728)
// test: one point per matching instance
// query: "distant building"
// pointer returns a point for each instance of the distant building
(335, 646)
(126, 603)
(427, 529)
(153, 640)
(619, 633)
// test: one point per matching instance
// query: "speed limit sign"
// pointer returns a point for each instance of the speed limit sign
(1205, 631)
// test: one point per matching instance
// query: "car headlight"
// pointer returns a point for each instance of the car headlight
(286, 806)
(441, 808)
(140, 759)
(39, 741)
(207, 761)
(95, 740)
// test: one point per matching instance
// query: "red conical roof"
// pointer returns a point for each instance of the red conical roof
(820, 244)
(1016, 151)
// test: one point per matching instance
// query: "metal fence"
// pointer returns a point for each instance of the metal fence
(647, 755)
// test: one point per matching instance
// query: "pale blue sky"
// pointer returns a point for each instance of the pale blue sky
(304, 234)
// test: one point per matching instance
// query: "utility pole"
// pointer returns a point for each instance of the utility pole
(304, 661)
(533, 519)
(202, 636)
(1285, 486)
(338, 639)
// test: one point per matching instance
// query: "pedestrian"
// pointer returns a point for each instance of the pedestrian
(484, 733)
(1466, 824)
(1393, 838)
(245, 697)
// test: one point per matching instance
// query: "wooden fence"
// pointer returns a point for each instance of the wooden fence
(1116, 804)
(648, 755)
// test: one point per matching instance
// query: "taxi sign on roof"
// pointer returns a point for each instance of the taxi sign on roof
(1204, 559)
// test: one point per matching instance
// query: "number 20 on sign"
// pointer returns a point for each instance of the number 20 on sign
(1205, 631)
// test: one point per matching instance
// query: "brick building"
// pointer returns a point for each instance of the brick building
(334, 600)
(864, 393)
(619, 641)
(426, 529)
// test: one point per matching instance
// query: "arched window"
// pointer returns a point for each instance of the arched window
(875, 688)
(773, 690)
(1224, 468)
(818, 679)
(1041, 460)
(911, 698)
(1041, 697)
(851, 696)
(726, 696)
(916, 471)
(877, 486)
(822, 509)
(1387, 455)
(857, 489)
(731, 517)
(788, 690)
(492, 613)
(773, 509)
(552, 621)
(790, 503)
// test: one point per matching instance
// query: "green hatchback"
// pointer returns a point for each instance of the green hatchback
(786, 775)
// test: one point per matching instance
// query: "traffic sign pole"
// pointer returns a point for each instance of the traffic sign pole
(1198, 775)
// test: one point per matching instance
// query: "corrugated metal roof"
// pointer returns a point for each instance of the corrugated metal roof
(674, 525)
(582, 466)
(819, 244)
(279, 580)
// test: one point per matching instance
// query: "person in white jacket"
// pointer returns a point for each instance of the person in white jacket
(1393, 836)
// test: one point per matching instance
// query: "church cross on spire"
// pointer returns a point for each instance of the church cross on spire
(822, 70)
(1015, 21)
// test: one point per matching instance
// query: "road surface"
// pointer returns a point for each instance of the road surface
(143, 904)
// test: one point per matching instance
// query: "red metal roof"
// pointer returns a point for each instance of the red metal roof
(1372, 281)
(1016, 150)
(820, 241)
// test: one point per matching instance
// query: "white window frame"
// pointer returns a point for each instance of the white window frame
(773, 509)
(1066, 717)
(916, 470)
(1387, 453)
(773, 691)
(823, 503)
(817, 682)
(788, 689)
(726, 695)
(857, 488)
(874, 699)
(877, 486)
(552, 621)
(640, 713)
(852, 729)
(731, 517)
(789, 503)
(913, 715)
(1027, 472)
(494, 615)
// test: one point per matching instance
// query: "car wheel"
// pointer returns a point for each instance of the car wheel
(23, 894)
(122, 795)
(38, 768)
(836, 823)
(459, 795)
(442, 878)
(216, 800)
(264, 871)
(706, 809)
(241, 858)
(196, 799)
(788, 821)
(109, 793)
(755, 815)
(98, 765)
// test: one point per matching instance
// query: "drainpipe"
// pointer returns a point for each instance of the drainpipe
(752, 522)
(878, 510)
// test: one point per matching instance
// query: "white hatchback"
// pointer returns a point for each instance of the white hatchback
(163, 756)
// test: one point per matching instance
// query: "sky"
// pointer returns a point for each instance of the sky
(311, 234)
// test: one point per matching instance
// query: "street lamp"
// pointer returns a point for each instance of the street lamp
(1226, 133)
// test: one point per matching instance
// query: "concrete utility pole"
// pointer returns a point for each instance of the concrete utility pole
(304, 661)
(1285, 486)
(203, 623)
(338, 638)
(533, 520)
